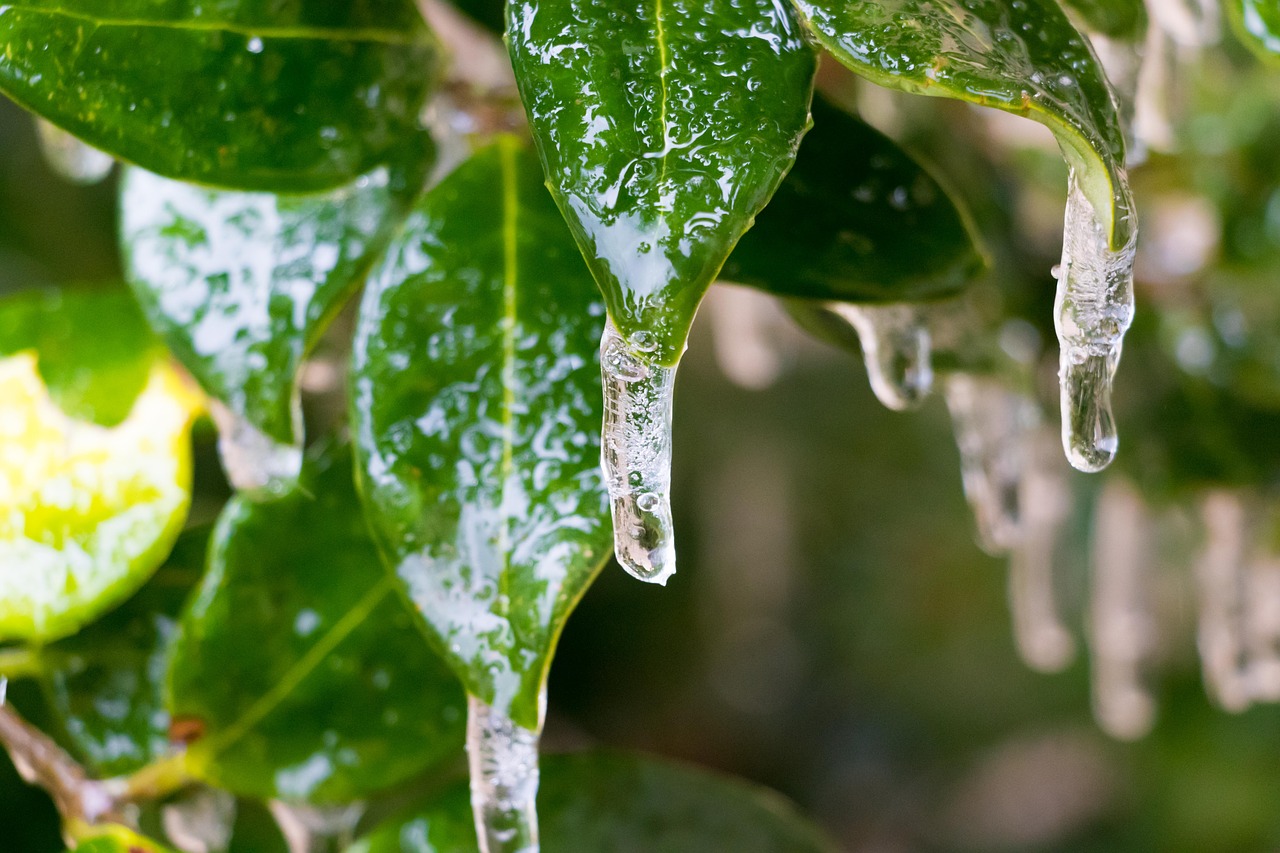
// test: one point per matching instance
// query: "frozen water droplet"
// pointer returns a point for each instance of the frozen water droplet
(69, 157)
(897, 348)
(200, 820)
(255, 45)
(255, 464)
(635, 453)
(316, 829)
(1220, 634)
(503, 759)
(1093, 309)
(992, 425)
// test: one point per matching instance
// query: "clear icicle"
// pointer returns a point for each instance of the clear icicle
(1043, 641)
(71, 158)
(200, 821)
(635, 453)
(503, 759)
(316, 829)
(1220, 580)
(992, 425)
(1120, 629)
(897, 348)
(1092, 311)
(255, 463)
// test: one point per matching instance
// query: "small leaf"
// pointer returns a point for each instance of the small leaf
(105, 684)
(1022, 57)
(241, 285)
(621, 804)
(299, 671)
(87, 512)
(1117, 19)
(476, 410)
(113, 838)
(663, 129)
(856, 220)
(277, 96)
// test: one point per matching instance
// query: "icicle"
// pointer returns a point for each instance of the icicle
(71, 158)
(635, 453)
(503, 759)
(200, 821)
(1044, 643)
(1221, 631)
(897, 349)
(992, 424)
(1119, 626)
(255, 463)
(1263, 578)
(316, 829)
(1093, 309)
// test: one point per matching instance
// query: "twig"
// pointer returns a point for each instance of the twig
(42, 762)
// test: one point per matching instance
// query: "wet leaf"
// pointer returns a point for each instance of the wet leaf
(241, 285)
(299, 671)
(87, 511)
(663, 129)
(112, 838)
(856, 220)
(272, 96)
(622, 804)
(1118, 19)
(105, 684)
(476, 408)
(1258, 24)
(1022, 57)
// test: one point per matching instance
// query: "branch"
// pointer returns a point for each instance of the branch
(42, 762)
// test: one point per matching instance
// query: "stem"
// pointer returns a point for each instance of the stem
(42, 762)
(157, 780)
(503, 757)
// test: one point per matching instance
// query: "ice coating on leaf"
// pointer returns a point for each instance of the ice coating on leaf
(635, 452)
(1092, 310)
(897, 348)
(503, 759)
(1119, 620)
(254, 462)
(74, 160)
(993, 425)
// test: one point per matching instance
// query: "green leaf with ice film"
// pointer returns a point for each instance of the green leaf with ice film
(621, 804)
(476, 411)
(1023, 57)
(664, 129)
(857, 220)
(1257, 22)
(95, 459)
(241, 285)
(299, 671)
(270, 96)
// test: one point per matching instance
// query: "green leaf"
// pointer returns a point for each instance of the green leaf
(241, 285)
(299, 671)
(476, 410)
(87, 512)
(1022, 57)
(664, 129)
(1117, 19)
(272, 96)
(856, 220)
(621, 804)
(105, 684)
(1257, 22)
(113, 838)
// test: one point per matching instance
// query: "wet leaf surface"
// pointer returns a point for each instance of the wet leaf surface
(664, 129)
(622, 804)
(296, 96)
(476, 410)
(299, 671)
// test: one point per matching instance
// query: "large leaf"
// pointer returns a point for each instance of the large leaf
(1024, 57)
(663, 128)
(621, 804)
(241, 285)
(856, 220)
(477, 415)
(277, 96)
(299, 671)
(87, 512)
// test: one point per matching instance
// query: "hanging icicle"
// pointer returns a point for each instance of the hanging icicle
(503, 758)
(897, 348)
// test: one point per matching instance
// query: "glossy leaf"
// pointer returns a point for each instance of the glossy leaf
(477, 412)
(1258, 24)
(241, 285)
(113, 838)
(622, 804)
(87, 512)
(299, 671)
(856, 220)
(105, 684)
(281, 96)
(1024, 57)
(663, 128)
(1118, 19)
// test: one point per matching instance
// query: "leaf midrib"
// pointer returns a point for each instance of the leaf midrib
(510, 258)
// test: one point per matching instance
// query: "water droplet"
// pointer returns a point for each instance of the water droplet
(503, 758)
(255, 45)
(897, 348)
